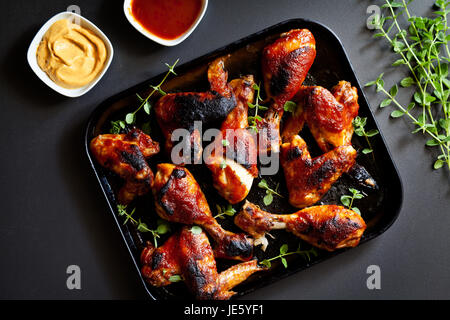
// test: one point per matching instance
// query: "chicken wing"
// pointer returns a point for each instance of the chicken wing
(328, 227)
(329, 115)
(125, 155)
(188, 254)
(285, 64)
(232, 161)
(309, 179)
(181, 110)
(178, 198)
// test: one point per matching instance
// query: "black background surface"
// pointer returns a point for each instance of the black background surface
(53, 213)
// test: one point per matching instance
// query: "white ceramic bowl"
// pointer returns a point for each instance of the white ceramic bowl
(165, 42)
(32, 59)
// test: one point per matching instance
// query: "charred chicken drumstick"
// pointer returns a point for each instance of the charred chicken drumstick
(328, 227)
(309, 179)
(189, 255)
(233, 159)
(285, 64)
(178, 198)
(125, 155)
(181, 110)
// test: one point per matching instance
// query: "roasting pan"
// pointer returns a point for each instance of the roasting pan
(379, 208)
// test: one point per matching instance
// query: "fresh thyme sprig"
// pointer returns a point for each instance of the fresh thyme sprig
(306, 254)
(162, 228)
(359, 126)
(225, 211)
(252, 120)
(347, 200)
(130, 118)
(268, 198)
(423, 48)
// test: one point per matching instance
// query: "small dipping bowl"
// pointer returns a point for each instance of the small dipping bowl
(127, 8)
(85, 23)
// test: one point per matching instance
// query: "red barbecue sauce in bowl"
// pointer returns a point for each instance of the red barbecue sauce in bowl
(166, 19)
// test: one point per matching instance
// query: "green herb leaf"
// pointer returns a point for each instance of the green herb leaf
(223, 164)
(385, 103)
(438, 164)
(407, 82)
(196, 230)
(129, 118)
(290, 106)
(394, 90)
(147, 107)
(268, 199)
(175, 278)
(284, 262)
(397, 114)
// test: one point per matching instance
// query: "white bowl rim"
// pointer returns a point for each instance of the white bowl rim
(32, 59)
(151, 36)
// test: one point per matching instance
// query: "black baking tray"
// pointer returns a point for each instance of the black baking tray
(379, 208)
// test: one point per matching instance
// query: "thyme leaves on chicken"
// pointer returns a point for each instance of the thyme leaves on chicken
(306, 254)
(423, 48)
(359, 126)
(130, 118)
(224, 211)
(252, 120)
(290, 106)
(162, 226)
(176, 278)
(268, 198)
(347, 200)
(196, 230)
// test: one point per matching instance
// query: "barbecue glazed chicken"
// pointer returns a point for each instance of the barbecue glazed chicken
(178, 198)
(309, 179)
(329, 116)
(189, 255)
(125, 155)
(285, 64)
(180, 110)
(233, 159)
(328, 227)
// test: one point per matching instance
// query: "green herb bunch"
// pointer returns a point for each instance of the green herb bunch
(422, 47)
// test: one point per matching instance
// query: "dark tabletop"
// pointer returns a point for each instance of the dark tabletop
(53, 213)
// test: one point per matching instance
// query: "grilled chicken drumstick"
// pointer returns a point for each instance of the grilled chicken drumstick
(328, 227)
(233, 160)
(285, 64)
(178, 198)
(309, 179)
(329, 116)
(125, 155)
(180, 110)
(188, 254)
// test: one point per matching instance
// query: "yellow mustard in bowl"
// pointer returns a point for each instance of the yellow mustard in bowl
(71, 55)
